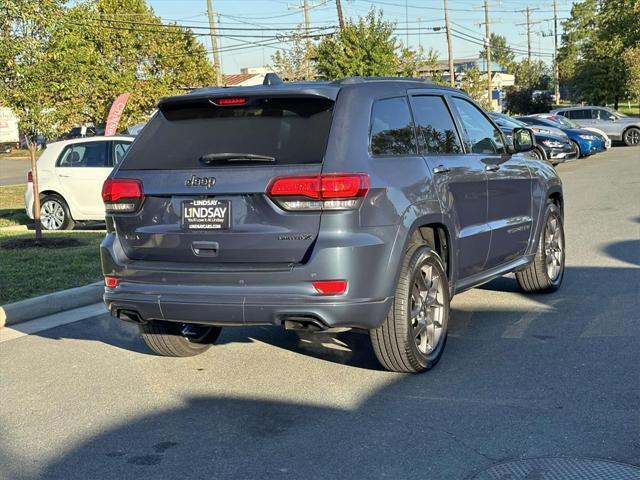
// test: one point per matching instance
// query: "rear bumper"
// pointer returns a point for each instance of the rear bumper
(217, 308)
(28, 200)
(228, 295)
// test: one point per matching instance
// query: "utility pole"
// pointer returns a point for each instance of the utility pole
(340, 17)
(307, 22)
(487, 42)
(307, 29)
(406, 19)
(528, 23)
(214, 44)
(556, 76)
(452, 80)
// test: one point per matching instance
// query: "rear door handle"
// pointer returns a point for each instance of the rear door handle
(205, 249)
(64, 176)
(441, 169)
(494, 167)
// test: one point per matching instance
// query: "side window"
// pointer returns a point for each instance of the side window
(599, 113)
(579, 114)
(90, 154)
(119, 149)
(482, 137)
(392, 131)
(435, 128)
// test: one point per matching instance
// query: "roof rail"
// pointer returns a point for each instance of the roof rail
(355, 80)
(271, 79)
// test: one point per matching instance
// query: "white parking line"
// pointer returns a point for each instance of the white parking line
(51, 321)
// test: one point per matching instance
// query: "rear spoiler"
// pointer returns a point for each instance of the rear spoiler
(203, 97)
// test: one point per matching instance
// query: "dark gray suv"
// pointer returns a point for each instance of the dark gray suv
(357, 204)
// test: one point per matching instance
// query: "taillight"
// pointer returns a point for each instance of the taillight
(330, 287)
(328, 191)
(111, 282)
(122, 195)
(30, 177)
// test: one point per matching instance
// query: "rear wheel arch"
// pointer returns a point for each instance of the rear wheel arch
(558, 200)
(47, 193)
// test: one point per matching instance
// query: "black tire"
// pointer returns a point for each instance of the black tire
(395, 342)
(539, 154)
(631, 137)
(537, 276)
(171, 339)
(50, 205)
(577, 148)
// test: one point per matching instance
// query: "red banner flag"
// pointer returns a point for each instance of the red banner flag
(115, 113)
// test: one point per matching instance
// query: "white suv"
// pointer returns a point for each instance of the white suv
(71, 174)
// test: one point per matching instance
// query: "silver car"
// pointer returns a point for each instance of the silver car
(615, 124)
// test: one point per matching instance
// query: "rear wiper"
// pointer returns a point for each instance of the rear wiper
(235, 157)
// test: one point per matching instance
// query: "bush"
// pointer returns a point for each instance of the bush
(527, 101)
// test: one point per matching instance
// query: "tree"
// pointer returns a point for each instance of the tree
(25, 71)
(523, 101)
(415, 63)
(296, 64)
(501, 53)
(140, 55)
(534, 75)
(591, 57)
(632, 62)
(474, 84)
(365, 48)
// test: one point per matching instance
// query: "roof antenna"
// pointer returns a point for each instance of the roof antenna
(271, 79)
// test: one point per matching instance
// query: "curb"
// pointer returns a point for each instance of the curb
(56, 302)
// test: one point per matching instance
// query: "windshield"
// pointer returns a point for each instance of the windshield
(506, 121)
(616, 113)
(566, 122)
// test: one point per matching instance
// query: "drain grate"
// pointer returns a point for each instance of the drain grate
(560, 469)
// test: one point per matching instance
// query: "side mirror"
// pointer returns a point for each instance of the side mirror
(523, 140)
(612, 118)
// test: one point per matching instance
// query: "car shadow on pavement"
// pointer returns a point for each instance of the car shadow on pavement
(627, 251)
(545, 319)
(539, 378)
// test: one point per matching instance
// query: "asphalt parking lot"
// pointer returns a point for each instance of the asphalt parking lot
(14, 171)
(523, 376)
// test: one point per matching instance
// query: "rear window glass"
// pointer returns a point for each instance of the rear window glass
(392, 131)
(290, 130)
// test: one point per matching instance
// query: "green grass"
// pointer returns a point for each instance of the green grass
(12, 206)
(22, 153)
(29, 272)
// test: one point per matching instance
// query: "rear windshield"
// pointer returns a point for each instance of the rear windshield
(290, 130)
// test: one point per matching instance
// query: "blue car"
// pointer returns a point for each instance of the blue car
(585, 142)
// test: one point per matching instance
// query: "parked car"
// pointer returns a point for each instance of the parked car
(566, 123)
(615, 124)
(84, 131)
(361, 203)
(553, 148)
(70, 178)
(585, 142)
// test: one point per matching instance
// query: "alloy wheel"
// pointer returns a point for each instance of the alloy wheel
(52, 215)
(632, 136)
(427, 309)
(553, 248)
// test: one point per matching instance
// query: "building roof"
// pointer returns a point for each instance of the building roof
(238, 78)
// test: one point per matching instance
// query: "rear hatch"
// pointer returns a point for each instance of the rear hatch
(205, 165)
